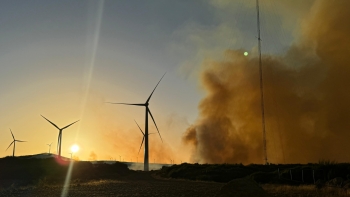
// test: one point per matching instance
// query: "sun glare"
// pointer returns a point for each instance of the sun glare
(74, 148)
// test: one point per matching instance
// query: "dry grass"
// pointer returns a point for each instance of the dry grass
(137, 185)
(146, 185)
(304, 191)
(99, 182)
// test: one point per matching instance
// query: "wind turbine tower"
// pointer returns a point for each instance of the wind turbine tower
(59, 143)
(148, 111)
(14, 144)
(49, 147)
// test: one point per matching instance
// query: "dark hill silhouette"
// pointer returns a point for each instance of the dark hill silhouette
(32, 168)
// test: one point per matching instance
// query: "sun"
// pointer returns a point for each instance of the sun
(74, 148)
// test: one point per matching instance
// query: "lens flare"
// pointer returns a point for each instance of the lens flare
(74, 148)
(245, 53)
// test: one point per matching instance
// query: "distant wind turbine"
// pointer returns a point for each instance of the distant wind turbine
(148, 111)
(143, 138)
(49, 147)
(14, 143)
(71, 155)
(59, 143)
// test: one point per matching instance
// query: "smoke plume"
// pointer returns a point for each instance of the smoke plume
(92, 156)
(76, 158)
(306, 98)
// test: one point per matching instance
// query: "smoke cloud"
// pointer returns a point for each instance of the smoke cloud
(306, 98)
(92, 156)
(76, 158)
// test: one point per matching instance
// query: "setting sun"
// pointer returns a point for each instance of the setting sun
(74, 148)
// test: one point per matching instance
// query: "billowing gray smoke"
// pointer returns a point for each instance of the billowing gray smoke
(307, 99)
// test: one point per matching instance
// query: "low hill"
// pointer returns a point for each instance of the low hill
(28, 169)
(292, 174)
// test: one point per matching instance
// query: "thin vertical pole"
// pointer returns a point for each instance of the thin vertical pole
(291, 176)
(261, 84)
(313, 175)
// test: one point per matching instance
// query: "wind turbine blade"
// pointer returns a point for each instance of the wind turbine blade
(137, 104)
(10, 145)
(140, 128)
(50, 122)
(69, 125)
(154, 89)
(20, 141)
(12, 135)
(141, 143)
(149, 111)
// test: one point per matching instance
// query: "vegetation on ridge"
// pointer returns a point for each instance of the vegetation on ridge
(25, 171)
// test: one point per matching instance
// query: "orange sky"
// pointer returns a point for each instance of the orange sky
(65, 59)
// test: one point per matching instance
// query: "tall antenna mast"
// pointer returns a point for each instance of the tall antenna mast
(261, 84)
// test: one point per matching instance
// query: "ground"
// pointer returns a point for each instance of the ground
(137, 184)
(304, 191)
(144, 184)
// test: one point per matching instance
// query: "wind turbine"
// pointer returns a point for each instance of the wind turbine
(49, 147)
(143, 135)
(148, 111)
(14, 143)
(59, 143)
(71, 155)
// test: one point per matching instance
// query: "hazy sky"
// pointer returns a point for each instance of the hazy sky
(64, 59)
